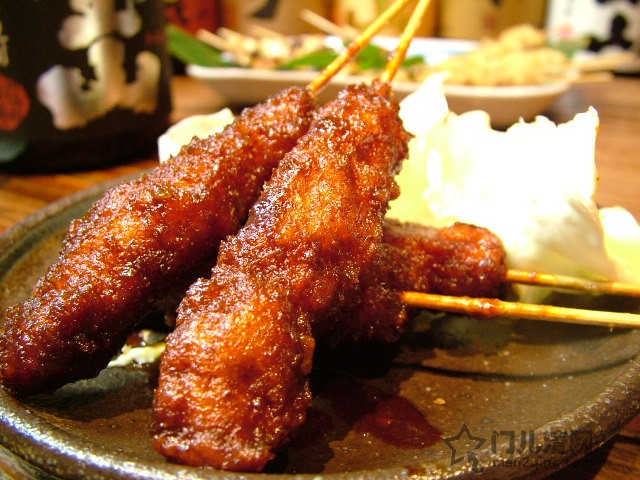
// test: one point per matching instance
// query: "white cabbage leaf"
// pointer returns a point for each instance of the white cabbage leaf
(181, 133)
(533, 185)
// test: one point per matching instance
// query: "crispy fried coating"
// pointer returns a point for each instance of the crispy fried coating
(140, 240)
(460, 260)
(232, 383)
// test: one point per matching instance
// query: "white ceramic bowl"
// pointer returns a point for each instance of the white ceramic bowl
(505, 105)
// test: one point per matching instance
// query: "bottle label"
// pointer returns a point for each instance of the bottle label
(77, 69)
(14, 100)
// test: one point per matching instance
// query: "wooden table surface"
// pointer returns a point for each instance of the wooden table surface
(618, 161)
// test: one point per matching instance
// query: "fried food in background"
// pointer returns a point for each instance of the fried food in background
(518, 56)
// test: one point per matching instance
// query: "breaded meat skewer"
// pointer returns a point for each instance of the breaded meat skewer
(141, 240)
(459, 260)
(233, 378)
(150, 237)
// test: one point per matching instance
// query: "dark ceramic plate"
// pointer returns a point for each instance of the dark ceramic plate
(455, 398)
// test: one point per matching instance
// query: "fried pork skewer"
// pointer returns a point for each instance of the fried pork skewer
(140, 241)
(233, 379)
(459, 260)
(458, 269)
(149, 237)
(475, 305)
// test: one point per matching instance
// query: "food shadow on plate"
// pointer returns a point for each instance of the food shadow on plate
(111, 394)
(520, 350)
(357, 400)
(362, 412)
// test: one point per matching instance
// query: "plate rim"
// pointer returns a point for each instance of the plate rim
(621, 395)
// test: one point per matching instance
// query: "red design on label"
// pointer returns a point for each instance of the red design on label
(192, 14)
(14, 103)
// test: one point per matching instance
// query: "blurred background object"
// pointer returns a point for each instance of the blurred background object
(597, 27)
(477, 19)
(82, 82)
(255, 17)
(192, 15)
(360, 13)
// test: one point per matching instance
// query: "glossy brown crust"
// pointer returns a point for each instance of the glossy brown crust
(141, 239)
(460, 260)
(233, 383)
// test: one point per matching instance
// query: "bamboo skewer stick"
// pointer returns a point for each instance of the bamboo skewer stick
(409, 32)
(356, 45)
(493, 308)
(573, 283)
(221, 41)
(327, 26)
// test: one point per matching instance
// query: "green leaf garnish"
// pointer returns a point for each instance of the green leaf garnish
(190, 50)
(315, 60)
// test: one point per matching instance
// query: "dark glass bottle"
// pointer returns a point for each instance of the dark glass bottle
(83, 83)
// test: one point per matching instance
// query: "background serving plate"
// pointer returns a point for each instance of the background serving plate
(505, 105)
(506, 399)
